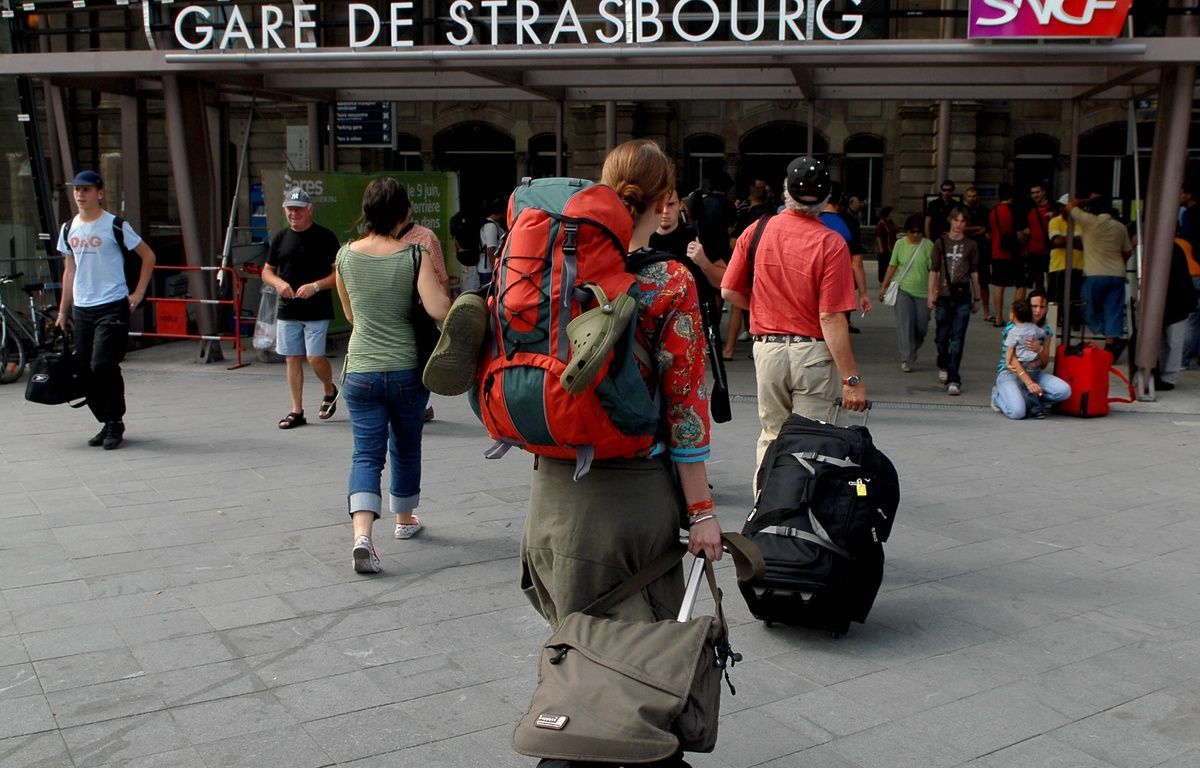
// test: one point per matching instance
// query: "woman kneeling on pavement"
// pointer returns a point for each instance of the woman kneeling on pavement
(382, 388)
(1027, 389)
(583, 538)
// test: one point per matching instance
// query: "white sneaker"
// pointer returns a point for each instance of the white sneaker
(408, 530)
(365, 558)
(744, 336)
(906, 367)
(943, 375)
(995, 408)
(953, 389)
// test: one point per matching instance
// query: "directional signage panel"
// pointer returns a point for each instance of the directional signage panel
(365, 124)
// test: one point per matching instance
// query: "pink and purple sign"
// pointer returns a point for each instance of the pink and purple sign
(1047, 18)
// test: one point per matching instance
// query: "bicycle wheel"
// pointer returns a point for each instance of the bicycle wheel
(12, 359)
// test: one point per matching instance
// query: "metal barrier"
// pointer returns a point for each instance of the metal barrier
(170, 314)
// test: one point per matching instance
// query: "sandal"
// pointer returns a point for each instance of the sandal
(292, 420)
(328, 404)
(990, 319)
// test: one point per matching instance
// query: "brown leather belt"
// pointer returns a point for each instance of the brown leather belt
(783, 338)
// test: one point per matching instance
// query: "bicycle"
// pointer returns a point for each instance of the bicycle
(22, 338)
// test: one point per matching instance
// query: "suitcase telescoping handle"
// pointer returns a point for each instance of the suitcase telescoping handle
(747, 559)
(692, 591)
(837, 411)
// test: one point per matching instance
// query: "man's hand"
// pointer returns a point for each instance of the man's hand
(306, 291)
(135, 299)
(931, 301)
(864, 303)
(854, 398)
(63, 321)
(285, 290)
(706, 536)
(695, 251)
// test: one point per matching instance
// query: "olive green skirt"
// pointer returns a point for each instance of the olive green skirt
(583, 538)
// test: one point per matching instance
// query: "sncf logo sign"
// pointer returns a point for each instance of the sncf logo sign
(1048, 18)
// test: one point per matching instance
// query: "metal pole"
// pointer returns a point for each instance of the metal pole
(559, 116)
(812, 118)
(610, 126)
(1071, 175)
(237, 190)
(943, 143)
(314, 138)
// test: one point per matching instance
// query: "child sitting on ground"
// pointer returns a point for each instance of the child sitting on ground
(1023, 345)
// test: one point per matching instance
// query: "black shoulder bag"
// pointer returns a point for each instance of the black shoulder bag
(57, 376)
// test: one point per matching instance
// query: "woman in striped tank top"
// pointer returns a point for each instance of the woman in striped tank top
(383, 388)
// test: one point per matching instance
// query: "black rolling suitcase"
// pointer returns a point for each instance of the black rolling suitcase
(826, 501)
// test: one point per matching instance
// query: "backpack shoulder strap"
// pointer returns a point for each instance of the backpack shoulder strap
(758, 232)
(118, 230)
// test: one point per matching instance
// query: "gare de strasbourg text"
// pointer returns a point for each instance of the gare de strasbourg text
(635, 21)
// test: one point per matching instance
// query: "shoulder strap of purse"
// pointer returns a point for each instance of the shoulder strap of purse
(748, 562)
(911, 259)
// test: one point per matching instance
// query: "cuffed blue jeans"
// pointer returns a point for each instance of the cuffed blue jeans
(387, 414)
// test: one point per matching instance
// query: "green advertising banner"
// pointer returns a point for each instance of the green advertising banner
(337, 203)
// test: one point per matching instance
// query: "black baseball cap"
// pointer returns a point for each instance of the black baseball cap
(808, 180)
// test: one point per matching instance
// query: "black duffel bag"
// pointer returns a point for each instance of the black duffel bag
(826, 501)
(56, 376)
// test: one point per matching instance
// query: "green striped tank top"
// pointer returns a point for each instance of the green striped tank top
(380, 290)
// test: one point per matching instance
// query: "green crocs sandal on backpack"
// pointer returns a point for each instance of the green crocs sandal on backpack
(592, 335)
(455, 358)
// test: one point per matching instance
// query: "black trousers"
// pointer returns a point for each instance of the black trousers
(101, 337)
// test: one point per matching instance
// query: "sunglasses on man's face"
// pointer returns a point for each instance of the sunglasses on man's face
(947, 189)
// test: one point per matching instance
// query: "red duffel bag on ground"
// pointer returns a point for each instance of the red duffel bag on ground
(1087, 369)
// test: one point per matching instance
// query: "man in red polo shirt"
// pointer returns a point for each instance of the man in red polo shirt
(797, 284)
(1008, 258)
(1037, 235)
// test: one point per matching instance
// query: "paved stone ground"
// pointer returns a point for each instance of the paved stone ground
(188, 600)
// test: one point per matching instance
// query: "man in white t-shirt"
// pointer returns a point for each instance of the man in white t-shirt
(490, 235)
(97, 300)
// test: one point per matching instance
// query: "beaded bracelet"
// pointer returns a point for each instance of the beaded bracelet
(700, 519)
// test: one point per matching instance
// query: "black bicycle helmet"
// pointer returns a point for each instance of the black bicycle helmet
(808, 180)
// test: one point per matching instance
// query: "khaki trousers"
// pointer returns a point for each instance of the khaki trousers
(794, 377)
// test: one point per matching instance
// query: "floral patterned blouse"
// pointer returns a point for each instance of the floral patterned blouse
(669, 325)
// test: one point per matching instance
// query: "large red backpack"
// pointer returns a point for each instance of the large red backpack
(564, 234)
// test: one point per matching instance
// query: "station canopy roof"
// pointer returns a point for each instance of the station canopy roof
(493, 50)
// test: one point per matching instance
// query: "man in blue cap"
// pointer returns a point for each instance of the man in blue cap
(300, 268)
(97, 299)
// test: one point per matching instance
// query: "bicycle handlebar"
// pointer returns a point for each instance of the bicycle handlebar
(11, 278)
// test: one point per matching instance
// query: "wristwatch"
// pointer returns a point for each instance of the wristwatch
(852, 381)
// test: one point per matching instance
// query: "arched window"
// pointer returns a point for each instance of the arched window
(766, 151)
(862, 173)
(543, 154)
(484, 159)
(1035, 160)
(704, 155)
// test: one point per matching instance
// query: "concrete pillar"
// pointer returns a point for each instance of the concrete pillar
(188, 147)
(133, 160)
(1166, 176)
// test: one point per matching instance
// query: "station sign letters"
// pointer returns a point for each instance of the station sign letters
(1047, 18)
(521, 23)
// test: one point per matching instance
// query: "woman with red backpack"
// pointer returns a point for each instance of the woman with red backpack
(583, 537)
